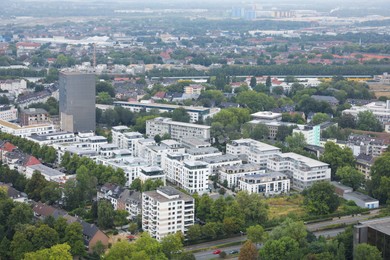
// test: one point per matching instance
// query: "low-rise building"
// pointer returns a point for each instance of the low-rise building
(50, 174)
(362, 200)
(14, 86)
(216, 162)
(8, 113)
(381, 110)
(24, 131)
(364, 163)
(176, 130)
(269, 183)
(312, 134)
(267, 116)
(167, 211)
(52, 138)
(33, 116)
(196, 113)
(301, 170)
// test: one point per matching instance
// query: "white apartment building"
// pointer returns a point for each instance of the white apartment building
(381, 110)
(232, 174)
(8, 113)
(14, 86)
(270, 183)
(192, 176)
(216, 162)
(177, 130)
(132, 166)
(24, 131)
(201, 153)
(151, 172)
(167, 211)
(125, 139)
(196, 113)
(301, 170)
(255, 151)
(153, 153)
(53, 138)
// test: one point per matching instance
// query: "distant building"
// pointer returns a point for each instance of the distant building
(33, 116)
(77, 102)
(196, 113)
(8, 113)
(312, 134)
(362, 200)
(14, 86)
(328, 99)
(167, 211)
(267, 115)
(381, 110)
(24, 131)
(375, 232)
(176, 130)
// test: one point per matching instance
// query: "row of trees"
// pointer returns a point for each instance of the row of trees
(45, 153)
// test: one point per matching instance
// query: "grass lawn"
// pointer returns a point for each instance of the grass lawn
(284, 205)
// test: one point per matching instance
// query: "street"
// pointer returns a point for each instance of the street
(208, 254)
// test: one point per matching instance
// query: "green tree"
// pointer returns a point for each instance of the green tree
(350, 176)
(181, 115)
(319, 118)
(283, 248)
(20, 214)
(254, 209)
(120, 218)
(20, 245)
(296, 141)
(347, 121)
(248, 251)
(35, 186)
(51, 193)
(268, 82)
(203, 207)
(74, 238)
(194, 232)
(104, 86)
(44, 237)
(172, 245)
(105, 214)
(320, 198)
(337, 157)
(365, 251)
(283, 132)
(136, 184)
(253, 82)
(86, 183)
(256, 234)
(104, 98)
(260, 131)
(256, 101)
(57, 252)
(380, 178)
(368, 122)
(293, 229)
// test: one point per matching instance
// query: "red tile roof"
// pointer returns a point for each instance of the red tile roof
(8, 147)
(32, 161)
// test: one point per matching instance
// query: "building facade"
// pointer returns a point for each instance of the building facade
(270, 183)
(167, 211)
(176, 130)
(77, 102)
(301, 170)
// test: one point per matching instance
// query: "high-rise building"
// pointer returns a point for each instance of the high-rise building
(77, 102)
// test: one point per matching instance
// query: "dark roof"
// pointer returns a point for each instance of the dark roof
(328, 99)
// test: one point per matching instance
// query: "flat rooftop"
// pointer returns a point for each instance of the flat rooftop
(169, 191)
(221, 158)
(306, 160)
(381, 224)
(47, 170)
(361, 196)
(255, 144)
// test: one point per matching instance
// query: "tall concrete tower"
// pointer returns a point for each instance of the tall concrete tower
(77, 101)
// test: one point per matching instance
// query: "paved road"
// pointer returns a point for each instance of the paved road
(208, 254)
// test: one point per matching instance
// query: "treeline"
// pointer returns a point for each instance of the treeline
(45, 153)
(22, 73)
(275, 69)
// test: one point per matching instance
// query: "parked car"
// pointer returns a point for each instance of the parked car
(233, 252)
(217, 252)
